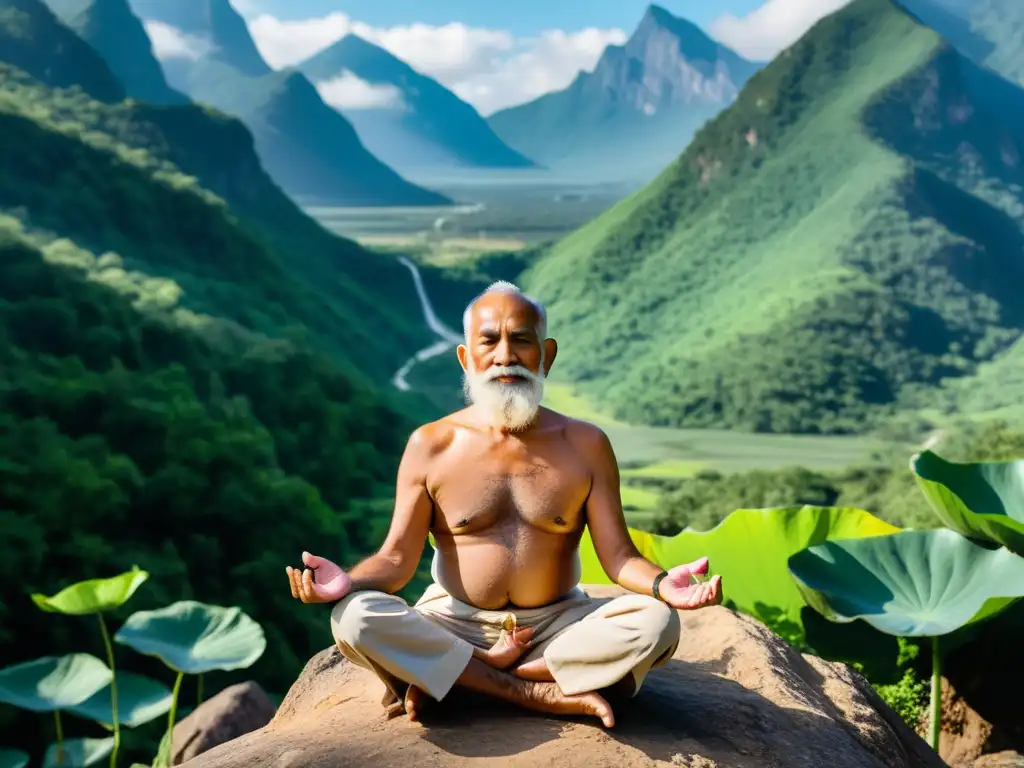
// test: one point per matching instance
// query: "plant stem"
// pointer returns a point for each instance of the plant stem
(113, 689)
(935, 723)
(172, 713)
(199, 694)
(60, 737)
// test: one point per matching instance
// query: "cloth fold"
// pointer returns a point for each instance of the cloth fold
(588, 643)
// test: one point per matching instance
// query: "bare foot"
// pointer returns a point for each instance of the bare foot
(414, 699)
(393, 706)
(506, 652)
(548, 697)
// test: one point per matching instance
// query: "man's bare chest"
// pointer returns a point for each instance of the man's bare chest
(546, 489)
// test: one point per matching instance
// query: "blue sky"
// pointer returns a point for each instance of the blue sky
(520, 17)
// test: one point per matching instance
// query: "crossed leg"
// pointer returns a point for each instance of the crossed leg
(616, 640)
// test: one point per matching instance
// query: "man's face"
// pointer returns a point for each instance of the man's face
(504, 360)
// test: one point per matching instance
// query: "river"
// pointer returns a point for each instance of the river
(446, 338)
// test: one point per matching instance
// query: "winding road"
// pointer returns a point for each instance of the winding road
(446, 337)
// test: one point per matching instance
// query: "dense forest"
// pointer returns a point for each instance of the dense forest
(193, 373)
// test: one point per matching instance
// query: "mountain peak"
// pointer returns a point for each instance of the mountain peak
(658, 23)
(431, 126)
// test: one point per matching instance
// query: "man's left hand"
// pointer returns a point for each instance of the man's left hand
(679, 590)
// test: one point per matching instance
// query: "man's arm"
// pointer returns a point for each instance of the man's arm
(615, 549)
(394, 565)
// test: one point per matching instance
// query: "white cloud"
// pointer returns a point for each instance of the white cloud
(772, 27)
(349, 92)
(548, 62)
(171, 43)
(489, 68)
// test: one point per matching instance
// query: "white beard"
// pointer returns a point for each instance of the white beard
(513, 406)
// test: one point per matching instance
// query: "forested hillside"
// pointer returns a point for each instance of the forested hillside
(193, 374)
(839, 242)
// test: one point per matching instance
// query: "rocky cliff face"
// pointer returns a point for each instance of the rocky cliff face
(669, 62)
(637, 110)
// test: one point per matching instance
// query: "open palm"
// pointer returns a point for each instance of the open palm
(680, 591)
(321, 581)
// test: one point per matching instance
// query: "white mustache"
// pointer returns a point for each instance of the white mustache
(510, 370)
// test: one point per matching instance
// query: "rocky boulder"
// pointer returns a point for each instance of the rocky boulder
(234, 712)
(735, 695)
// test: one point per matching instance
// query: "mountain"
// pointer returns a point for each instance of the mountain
(639, 107)
(421, 124)
(308, 148)
(843, 241)
(34, 40)
(991, 32)
(111, 28)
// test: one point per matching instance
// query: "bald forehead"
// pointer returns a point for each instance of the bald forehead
(501, 309)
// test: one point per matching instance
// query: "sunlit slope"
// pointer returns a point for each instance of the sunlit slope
(837, 237)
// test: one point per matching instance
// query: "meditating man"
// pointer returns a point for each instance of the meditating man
(506, 487)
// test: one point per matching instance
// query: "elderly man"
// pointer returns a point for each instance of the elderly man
(506, 487)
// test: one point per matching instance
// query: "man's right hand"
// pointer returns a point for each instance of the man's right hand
(321, 581)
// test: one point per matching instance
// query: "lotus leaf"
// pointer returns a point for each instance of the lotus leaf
(93, 595)
(194, 638)
(750, 550)
(13, 758)
(53, 682)
(139, 700)
(983, 500)
(78, 753)
(909, 584)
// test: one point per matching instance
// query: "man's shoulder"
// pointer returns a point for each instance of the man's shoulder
(436, 435)
(580, 433)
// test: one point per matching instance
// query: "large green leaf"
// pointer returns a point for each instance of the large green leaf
(78, 753)
(984, 500)
(750, 550)
(53, 682)
(139, 700)
(194, 638)
(909, 584)
(93, 595)
(13, 758)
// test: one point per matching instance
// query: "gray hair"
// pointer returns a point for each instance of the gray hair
(503, 286)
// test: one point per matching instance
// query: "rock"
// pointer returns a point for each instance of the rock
(233, 712)
(964, 732)
(1000, 760)
(734, 696)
